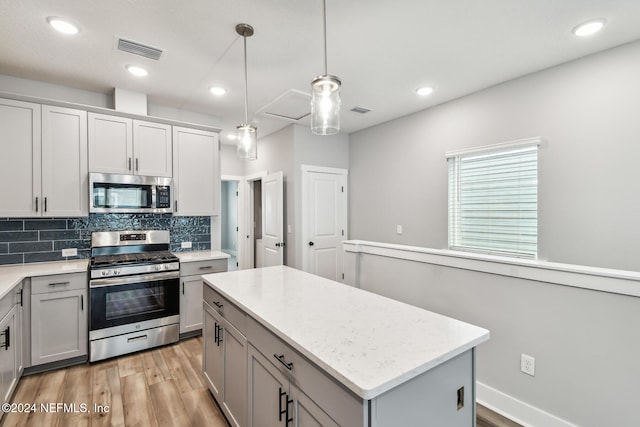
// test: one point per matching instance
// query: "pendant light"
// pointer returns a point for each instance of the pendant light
(247, 133)
(325, 95)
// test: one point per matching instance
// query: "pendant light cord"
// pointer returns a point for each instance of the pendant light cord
(324, 22)
(246, 84)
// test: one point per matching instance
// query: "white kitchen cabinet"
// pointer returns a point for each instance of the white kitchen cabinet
(196, 172)
(44, 160)
(127, 146)
(191, 286)
(268, 390)
(224, 361)
(8, 357)
(20, 170)
(11, 365)
(59, 321)
(65, 180)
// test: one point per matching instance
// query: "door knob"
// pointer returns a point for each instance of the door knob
(310, 243)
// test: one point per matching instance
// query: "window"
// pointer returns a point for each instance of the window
(493, 199)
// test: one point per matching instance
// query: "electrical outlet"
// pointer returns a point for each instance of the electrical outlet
(186, 245)
(398, 229)
(70, 252)
(528, 364)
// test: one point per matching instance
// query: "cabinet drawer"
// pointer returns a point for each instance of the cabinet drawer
(203, 267)
(229, 311)
(341, 404)
(58, 283)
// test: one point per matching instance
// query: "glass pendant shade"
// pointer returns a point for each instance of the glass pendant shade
(325, 105)
(247, 142)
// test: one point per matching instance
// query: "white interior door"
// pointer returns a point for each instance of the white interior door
(324, 220)
(273, 219)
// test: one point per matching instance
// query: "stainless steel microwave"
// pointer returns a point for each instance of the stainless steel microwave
(115, 193)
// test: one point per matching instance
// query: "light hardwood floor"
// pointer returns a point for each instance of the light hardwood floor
(159, 387)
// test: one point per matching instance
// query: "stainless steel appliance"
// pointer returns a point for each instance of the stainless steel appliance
(114, 193)
(134, 292)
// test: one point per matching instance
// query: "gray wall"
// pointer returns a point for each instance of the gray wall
(586, 112)
(586, 343)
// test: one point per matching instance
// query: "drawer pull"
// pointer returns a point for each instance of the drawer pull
(280, 358)
(60, 284)
(138, 338)
(218, 304)
(7, 338)
(206, 267)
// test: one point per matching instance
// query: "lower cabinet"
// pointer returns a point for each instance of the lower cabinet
(224, 364)
(191, 291)
(11, 365)
(59, 319)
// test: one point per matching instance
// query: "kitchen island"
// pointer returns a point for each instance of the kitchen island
(283, 346)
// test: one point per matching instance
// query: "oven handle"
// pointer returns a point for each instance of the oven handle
(141, 278)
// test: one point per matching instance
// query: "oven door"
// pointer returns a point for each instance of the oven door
(133, 299)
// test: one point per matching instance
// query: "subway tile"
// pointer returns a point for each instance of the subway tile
(23, 247)
(18, 236)
(43, 257)
(11, 225)
(59, 235)
(11, 259)
(70, 244)
(4, 248)
(45, 224)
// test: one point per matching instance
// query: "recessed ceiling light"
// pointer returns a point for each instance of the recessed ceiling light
(588, 28)
(137, 71)
(61, 25)
(217, 90)
(424, 91)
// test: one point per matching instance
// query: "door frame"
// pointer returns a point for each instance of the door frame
(241, 208)
(304, 208)
(247, 218)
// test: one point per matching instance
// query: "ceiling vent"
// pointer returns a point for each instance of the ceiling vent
(139, 49)
(293, 105)
(360, 110)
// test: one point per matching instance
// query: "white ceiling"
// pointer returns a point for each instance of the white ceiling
(382, 50)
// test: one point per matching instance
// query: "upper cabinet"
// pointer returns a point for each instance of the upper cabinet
(44, 161)
(196, 172)
(126, 146)
(65, 178)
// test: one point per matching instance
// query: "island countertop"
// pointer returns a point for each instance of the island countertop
(367, 342)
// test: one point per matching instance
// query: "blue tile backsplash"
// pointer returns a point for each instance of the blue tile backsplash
(25, 240)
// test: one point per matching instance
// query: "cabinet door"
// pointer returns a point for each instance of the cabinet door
(308, 414)
(213, 357)
(58, 326)
(8, 368)
(235, 375)
(196, 172)
(268, 392)
(190, 304)
(20, 143)
(152, 149)
(110, 144)
(64, 162)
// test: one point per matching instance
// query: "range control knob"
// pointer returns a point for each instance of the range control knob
(158, 267)
(105, 272)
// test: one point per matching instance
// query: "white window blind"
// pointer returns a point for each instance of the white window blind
(493, 200)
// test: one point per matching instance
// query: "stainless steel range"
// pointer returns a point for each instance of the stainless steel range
(134, 292)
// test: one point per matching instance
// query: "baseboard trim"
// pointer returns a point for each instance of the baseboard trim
(516, 410)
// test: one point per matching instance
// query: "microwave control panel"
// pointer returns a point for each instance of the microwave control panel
(163, 197)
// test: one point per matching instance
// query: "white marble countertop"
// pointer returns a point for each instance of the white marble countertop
(11, 275)
(367, 342)
(190, 256)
